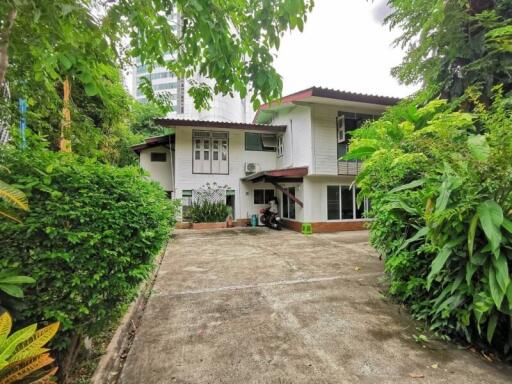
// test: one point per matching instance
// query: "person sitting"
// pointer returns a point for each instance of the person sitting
(274, 206)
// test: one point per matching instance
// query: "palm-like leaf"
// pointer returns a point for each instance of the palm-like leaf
(13, 196)
(22, 354)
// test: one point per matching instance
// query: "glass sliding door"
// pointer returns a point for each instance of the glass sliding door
(342, 205)
(347, 203)
(289, 204)
(333, 202)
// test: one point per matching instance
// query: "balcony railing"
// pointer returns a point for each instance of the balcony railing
(350, 168)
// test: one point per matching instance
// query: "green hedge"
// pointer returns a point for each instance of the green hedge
(89, 240)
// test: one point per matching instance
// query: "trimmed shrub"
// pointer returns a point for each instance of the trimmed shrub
(89, 239)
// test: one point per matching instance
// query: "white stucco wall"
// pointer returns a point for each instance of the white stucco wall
(158, 171)
(297, 138)
(324, 140)
(238, 156)
(315, 194)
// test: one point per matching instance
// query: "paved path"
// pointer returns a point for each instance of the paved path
(248, 306)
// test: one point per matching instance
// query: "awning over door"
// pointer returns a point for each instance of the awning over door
(287, 175)
(276, 176)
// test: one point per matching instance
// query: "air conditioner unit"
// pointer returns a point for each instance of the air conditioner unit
(252, 168)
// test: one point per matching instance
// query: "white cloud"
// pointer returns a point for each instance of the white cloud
(343, 46)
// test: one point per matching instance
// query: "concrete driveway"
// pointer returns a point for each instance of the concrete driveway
(247, 306)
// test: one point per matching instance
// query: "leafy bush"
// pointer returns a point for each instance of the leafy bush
(207, 212)
(89, 238)
(440, 182)
(22, 355)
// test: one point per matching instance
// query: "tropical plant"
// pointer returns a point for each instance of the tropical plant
(440, 182)
(11, 282)
(22, 354)
(12, 198)
(207, 212)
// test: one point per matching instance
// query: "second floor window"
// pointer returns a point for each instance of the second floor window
(260, 142)
(346, 123)
(280, 146)
(210, 152)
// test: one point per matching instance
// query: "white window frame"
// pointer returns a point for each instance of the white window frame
(265, 190)
(286, 214)
(207, 139)
(366, 204)
(280, 146)
(340, 128)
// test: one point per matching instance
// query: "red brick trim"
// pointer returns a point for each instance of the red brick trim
(328, 226)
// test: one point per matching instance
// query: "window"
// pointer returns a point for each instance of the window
(289, 204)
(210, 152)
(159, 157)
(260, 142)
(340, 128)
(263, 196)
(341, 203)
(346, 122)
(280, 146)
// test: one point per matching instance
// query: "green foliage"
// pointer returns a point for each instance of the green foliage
(89, 238)
(440, 182)
(22, 355)
(207, 212)
(452, 44)
(230, 42)
(11, 197)
(11, 283)
(142, 122)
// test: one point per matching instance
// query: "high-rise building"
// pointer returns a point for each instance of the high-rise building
(222, 108)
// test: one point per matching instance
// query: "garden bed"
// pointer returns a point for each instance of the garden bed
(217, 225)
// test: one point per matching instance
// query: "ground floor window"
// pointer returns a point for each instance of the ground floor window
(289, 204)
(263, 196)
(341, 203)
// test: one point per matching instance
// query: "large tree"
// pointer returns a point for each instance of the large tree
(453, 44)
(230, 42)
(438, 173)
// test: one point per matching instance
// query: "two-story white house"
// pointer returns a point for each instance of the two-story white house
(291, 151)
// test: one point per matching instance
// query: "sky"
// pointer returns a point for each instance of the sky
(343, 46)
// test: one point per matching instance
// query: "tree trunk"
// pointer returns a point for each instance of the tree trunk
(68, 358)
(4, 44)
(65, 142)
(478, 6)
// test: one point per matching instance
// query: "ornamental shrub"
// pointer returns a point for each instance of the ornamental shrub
(89, 239)
(206, 212)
